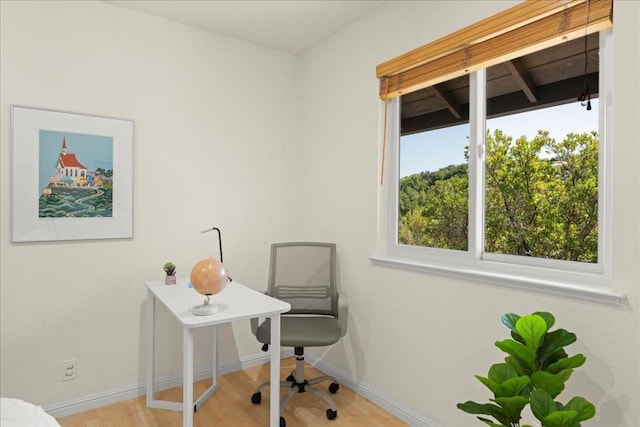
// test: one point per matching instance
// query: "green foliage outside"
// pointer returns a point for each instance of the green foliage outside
(534, 373)
(537, 205)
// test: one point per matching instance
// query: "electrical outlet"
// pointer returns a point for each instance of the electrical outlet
(69, 369)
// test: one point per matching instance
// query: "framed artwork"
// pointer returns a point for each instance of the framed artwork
(72, 176)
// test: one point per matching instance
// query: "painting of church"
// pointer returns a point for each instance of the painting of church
(68, 165)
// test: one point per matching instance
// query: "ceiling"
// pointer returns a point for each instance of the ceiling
(549, 77)
(290, 26)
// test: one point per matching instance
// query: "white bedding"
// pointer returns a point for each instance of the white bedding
(18, 413)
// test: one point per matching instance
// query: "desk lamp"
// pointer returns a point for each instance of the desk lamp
(209, 277)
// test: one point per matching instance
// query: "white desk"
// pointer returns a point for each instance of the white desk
(235, 302)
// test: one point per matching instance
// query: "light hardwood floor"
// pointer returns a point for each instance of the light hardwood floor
(231, 405)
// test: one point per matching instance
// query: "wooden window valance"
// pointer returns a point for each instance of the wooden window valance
(528, 27)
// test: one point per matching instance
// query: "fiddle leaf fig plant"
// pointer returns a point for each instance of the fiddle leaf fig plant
(534, 373)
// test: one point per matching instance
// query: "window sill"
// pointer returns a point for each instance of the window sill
(573, 291)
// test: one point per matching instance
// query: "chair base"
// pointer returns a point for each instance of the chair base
(297, 383)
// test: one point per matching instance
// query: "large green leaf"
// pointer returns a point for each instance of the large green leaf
(518, 338)
(558, 355)
(485, 409)
(565, 374)
(525, 355)
(500, 372)
(491, 385)
(548, 318)
(556, 340)
(509, 320)
(550, 383)
(512, 405)
(583, 407)
(512, 386)
(560, 419)
(490, 423)
(533, 329)
(541, 404)
(511, 361)
(475, 408)
(567, 363)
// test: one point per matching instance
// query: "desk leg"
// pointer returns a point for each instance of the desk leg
(275, 371)
(151, 321)
(187, 377)
(214, 376)
(151, 359)
(214, 380)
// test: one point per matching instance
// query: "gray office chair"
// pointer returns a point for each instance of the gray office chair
(304, 275)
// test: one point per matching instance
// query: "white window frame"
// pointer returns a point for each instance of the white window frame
(567, 278)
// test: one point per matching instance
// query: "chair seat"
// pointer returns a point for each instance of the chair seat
(302, 331)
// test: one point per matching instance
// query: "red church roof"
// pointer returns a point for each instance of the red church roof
(70, 161)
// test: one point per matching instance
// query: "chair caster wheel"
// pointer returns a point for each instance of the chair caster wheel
(290, 378)
(331, 414)
(256, 398)
(283, 423)
(333, 388)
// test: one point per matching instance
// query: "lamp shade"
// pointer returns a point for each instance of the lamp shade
(209, 276)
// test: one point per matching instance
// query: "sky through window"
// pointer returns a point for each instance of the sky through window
(426, 151)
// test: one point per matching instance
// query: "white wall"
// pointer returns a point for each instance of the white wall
(214, 122)
(252, 126)
(417, 338)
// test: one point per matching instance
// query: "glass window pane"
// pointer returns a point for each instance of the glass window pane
(541, 170)
(433, 188)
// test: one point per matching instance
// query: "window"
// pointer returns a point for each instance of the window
(500, 175)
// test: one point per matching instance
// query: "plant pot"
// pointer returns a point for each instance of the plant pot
(169, 280)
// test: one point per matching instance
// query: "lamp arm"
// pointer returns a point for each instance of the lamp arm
(219, 239)
(219, 242)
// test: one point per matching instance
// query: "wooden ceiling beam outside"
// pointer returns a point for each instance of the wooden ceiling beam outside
(449, 101)
(549, 95)
(523, 79)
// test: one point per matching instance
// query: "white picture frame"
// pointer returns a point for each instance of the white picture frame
(72, 176)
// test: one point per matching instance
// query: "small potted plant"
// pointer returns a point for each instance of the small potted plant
(534, 373)
(170, 271)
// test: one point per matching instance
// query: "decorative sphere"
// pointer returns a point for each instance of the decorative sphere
(209, 276)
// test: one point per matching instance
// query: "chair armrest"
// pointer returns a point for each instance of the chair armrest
(343, 313)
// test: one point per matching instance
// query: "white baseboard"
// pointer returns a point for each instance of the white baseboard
(109, 397)
(396, 409)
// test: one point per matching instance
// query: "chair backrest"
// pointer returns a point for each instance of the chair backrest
(304, 275)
